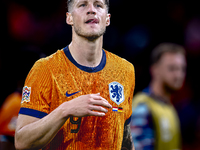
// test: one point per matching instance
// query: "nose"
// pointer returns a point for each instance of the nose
(91, 10)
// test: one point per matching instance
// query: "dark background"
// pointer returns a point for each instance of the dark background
(36, 28)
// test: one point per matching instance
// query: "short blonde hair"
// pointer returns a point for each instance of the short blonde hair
(163, 48)
(69, 4)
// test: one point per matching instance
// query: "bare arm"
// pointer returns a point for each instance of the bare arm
(127, 143)
(34, 133)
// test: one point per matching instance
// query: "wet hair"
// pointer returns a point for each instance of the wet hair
(163, 48)
(70, 2)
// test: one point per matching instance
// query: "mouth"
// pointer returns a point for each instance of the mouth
(92, 21)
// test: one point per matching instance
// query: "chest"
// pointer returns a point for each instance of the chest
(73, 83)
(111, 86)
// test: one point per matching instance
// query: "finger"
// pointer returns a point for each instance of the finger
(96, 97)
(98, 114)
(101, 103)
(104, 100)
(98, 108)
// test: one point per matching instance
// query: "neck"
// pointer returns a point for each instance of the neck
(159, 90)
(85, 52)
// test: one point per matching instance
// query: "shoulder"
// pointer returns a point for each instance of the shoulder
(141, 109)
(49, 61)
(57, 56)
(140, 98)
(117, 61)
(44, 66)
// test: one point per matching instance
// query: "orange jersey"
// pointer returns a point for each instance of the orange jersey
(59, 78)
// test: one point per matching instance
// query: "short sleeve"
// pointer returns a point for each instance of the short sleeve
(36, 95)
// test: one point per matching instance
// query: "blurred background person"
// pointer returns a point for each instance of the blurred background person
(10, 107)
(8, 119)
(155, 124)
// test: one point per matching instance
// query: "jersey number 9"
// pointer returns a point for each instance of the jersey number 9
(78, 122)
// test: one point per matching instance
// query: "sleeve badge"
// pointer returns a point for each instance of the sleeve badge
(26, 94)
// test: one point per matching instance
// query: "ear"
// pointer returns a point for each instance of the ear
(69, 19)
(108, 19)
(154, 70)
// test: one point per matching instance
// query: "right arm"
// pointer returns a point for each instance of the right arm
(34, 133)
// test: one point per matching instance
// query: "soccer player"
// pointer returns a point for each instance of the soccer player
(155, 124)
(80, 97)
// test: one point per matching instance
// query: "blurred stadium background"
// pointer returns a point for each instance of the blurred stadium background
(34, 29)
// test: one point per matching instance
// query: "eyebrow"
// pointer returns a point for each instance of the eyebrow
(97, 1)
(94, 1)
(85, 1)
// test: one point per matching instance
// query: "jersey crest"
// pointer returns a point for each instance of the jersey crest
(116, 91)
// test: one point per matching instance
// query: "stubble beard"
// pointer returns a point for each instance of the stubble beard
(171, 89)
(89, 36)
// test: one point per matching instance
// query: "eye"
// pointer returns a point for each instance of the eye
(82, 5)
(99, 5)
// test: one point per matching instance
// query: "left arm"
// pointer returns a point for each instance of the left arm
(127, 143)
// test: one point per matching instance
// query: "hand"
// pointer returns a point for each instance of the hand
(86, 105)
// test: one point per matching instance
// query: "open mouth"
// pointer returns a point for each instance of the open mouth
(91, 21)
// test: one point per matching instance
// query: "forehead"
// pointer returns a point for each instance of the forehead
(77, 1)
(173, 58)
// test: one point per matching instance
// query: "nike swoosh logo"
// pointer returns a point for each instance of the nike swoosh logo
(68, 95)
